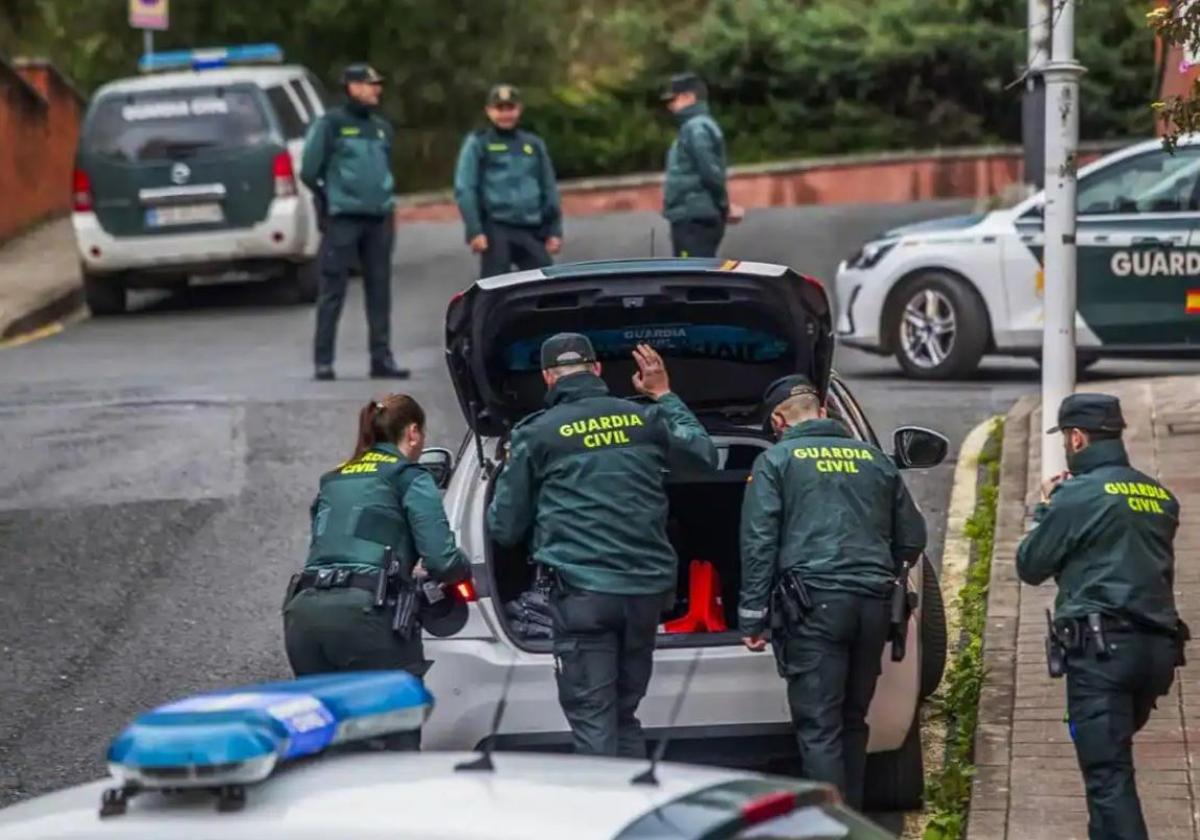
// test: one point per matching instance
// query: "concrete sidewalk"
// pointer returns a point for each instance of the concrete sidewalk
(1028, 785)
(39, 278)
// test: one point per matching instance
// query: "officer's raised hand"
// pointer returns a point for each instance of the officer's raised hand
(651, 379)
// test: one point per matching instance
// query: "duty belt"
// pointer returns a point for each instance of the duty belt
(334, 578)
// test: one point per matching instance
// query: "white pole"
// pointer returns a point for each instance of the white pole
(1062, 139)
(1037, 48)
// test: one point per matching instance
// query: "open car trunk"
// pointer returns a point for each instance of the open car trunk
(702, 524)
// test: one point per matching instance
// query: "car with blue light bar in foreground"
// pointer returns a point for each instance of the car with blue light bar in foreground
(186, 175)
(277, 762)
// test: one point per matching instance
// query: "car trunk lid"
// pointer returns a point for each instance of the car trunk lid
(726, 329)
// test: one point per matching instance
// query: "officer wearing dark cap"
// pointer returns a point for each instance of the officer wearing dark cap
(347, 165)
(827, 524)
(506, 191)
(695, 200)
(586, 477)
(1105, 532)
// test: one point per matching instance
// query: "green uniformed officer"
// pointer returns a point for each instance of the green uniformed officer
(506, 190)
(586, 476)
(1105, 532)
(380, 504)
(695, 200)
(347, 165)
(829, 514)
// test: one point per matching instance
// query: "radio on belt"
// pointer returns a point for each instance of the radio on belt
(226, 740)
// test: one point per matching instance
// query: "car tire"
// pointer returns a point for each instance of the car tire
(934, 642)
(895, 781)
(303, 281)
(951, 328)
(104, 294)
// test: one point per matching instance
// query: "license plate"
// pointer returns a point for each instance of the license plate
(184, 214)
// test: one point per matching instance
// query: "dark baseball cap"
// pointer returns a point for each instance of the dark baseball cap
(785, 388)
(361, 73)
(567, 349)
(684, 83)
(503, 94)
(1091, 412)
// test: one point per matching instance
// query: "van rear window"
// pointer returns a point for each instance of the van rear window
(175, 124)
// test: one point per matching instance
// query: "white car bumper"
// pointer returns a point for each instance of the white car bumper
(283, 235)
(860, 297)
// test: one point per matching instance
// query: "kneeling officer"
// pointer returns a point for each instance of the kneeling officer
(1105, 532)
(378, 527)
(828, 533)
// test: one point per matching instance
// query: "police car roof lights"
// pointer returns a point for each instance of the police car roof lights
(209, 58)
(228, 739)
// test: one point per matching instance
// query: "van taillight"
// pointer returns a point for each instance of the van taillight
(466, 591)
(285, 176)
(81, 192)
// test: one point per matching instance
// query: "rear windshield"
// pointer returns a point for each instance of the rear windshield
(174, 124)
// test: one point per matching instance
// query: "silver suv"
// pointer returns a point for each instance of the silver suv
(727, 329)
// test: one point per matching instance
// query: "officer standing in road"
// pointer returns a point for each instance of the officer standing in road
(828, 530)
(379, 514)
(1105, 532)
(587, 476)
(506, 191)
(347, 165)
(695, 200)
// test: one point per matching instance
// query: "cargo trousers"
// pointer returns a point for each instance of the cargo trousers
(697, 237)
(1108, 701)
(338, 630)
(831, 662)
(366, 240)
(603, 659)
(512, 247)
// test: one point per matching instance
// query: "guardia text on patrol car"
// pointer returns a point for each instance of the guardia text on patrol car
(940, 295)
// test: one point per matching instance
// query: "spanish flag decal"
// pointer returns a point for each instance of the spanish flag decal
(730, 265)
(1193, 302)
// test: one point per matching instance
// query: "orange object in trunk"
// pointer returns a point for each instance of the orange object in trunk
(705, 613)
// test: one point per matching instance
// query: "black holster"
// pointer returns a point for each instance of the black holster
(1183, 635)
(790, 602)
(1056, 652)
(900, 609)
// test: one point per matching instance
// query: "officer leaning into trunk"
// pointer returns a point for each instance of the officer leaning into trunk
(828, 532)
(587, 476)
(1106, 533)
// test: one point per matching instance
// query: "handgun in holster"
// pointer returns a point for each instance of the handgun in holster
(789, 602)
(1183, 635)
(900, 607)
(290, 592)
(1056, 653)
(1095, 626)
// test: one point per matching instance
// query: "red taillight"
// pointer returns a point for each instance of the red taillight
(285, 175)
(465, 591)
(81, 192)
(768, 807)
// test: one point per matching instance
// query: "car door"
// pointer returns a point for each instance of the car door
(1139, 256)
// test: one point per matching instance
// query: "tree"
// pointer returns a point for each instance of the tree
(1177, 23)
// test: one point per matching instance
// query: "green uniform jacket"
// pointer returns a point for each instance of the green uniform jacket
(588, 476)
(1106, 537)
(506, 177)
(830, 506)
(347, 159)
(694, 189)
(381, 499)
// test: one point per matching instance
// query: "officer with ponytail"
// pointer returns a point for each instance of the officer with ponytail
(376, 512)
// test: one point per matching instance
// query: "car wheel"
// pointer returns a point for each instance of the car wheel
(104, 293)
(933, 630)
(941, 327)
(302, 281)
(895, 780)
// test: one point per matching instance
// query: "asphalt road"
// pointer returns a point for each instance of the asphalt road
(158, 468)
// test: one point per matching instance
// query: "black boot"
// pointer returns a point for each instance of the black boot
(388, 370)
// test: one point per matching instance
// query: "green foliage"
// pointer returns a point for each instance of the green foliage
(788, 78)
(949, 794)
(1178, 23)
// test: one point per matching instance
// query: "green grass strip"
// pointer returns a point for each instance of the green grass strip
(948, 794)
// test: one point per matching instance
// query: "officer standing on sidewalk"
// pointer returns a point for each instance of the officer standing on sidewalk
(1105, 532)
(695, 200)
(347, 165)
(506, 191)
(828, 530)
(586, 475)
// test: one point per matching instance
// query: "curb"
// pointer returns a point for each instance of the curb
(58, 306)
(990, 790)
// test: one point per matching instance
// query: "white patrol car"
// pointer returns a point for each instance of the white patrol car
(228, 765)
(941, 294)
(189, 176)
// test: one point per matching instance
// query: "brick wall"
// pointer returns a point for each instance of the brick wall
(40, 113)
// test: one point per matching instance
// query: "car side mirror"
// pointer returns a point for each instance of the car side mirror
(440, 464)
(918, 449)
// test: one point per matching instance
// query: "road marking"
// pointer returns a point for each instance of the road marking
(32, 335)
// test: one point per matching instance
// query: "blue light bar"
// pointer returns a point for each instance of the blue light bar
(209, 58)
(237, 737)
